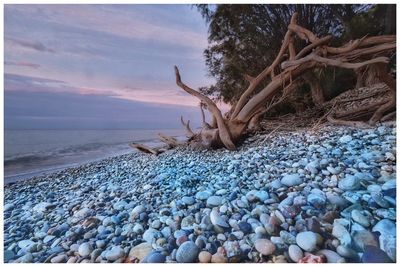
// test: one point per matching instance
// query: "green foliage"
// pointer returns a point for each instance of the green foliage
(244, 39)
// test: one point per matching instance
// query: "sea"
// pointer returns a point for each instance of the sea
(28, 153)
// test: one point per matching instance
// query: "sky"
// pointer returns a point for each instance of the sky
(101, 66)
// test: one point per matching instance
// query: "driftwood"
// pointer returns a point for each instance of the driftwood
(283, 74)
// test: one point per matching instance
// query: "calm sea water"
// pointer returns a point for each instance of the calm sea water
(31, 152)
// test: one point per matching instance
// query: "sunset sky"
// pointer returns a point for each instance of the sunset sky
(101, 66)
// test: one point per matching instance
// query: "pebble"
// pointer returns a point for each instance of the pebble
(115, 253)
(295, 253)
(308, 240)
(85, 249)
(187, 252)
(205, 257)
(140, 251)
(291, 180)
(267, 194)
(264, 246)
(358, 217)
(59, 259)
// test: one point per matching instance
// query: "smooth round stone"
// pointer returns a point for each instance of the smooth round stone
(203, 195)
(85, 249)
(255, 195)
(375, 255)
(138, 229)
(140, 251)
(115, 253)
(8, 255)
(331, 256)
(217, 220)
(9, 206)
(120, 205)
(349, 183)
(245, 227)
(214, 201)
(364, 238)
(316, 200)
(346, 252)
(187, 223)
(295, 253)
(26, 244)
(308, 240)
(59, 259)
(187, 252)
(358, 217)
(149, 235)
(291, 180)
(264, 246)
(219, 258)
(156, 224)
(100, 243)
(341, 233)
(385, 227)
(188, 200)
(389, 184)
(48, 238)
(155, 257)
(137, 211)
(205, 257)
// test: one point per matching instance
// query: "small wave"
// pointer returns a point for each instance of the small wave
(25, 159)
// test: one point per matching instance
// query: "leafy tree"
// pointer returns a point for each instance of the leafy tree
(243, 39)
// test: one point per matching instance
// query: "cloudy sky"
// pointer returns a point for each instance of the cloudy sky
(101, 66)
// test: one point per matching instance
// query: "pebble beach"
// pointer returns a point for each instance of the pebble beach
(290, 197)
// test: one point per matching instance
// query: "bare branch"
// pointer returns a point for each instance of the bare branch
(224, 133)
(333, 62)
(189, 132)
(144, 148)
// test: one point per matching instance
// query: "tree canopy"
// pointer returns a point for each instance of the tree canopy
(243, 39)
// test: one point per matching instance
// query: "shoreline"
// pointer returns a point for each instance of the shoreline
(322, 192)
(47, 170)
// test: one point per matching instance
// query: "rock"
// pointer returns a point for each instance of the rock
(341, 233)
(255, 195)
(308, 240)
(291, 180)
(85, 249)
(187, 252)
(264, 246)
(316, 200)
(205, 257)
(217, 220)
(154, 257)
(358, 217)
(120, 205)
(203, 195)
(345, 139)
(115, 253)
(59, 259)
(219, 257)
(331, 256)
(364, 238)
(26, 244)
(42, 207)
(141, 251)
(245, 227)
(214, 201)
(385, 227)
(27, 258)
(349, 183)
(295, 253)
(387, 243)
(310, 258)
(48, 238)
(9, 206)
(375, 255)
(8, 255)
(188, 200)
(136, 212)
(346, 252)
(149, 235)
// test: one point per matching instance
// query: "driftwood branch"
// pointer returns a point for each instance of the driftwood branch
(189, 132)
